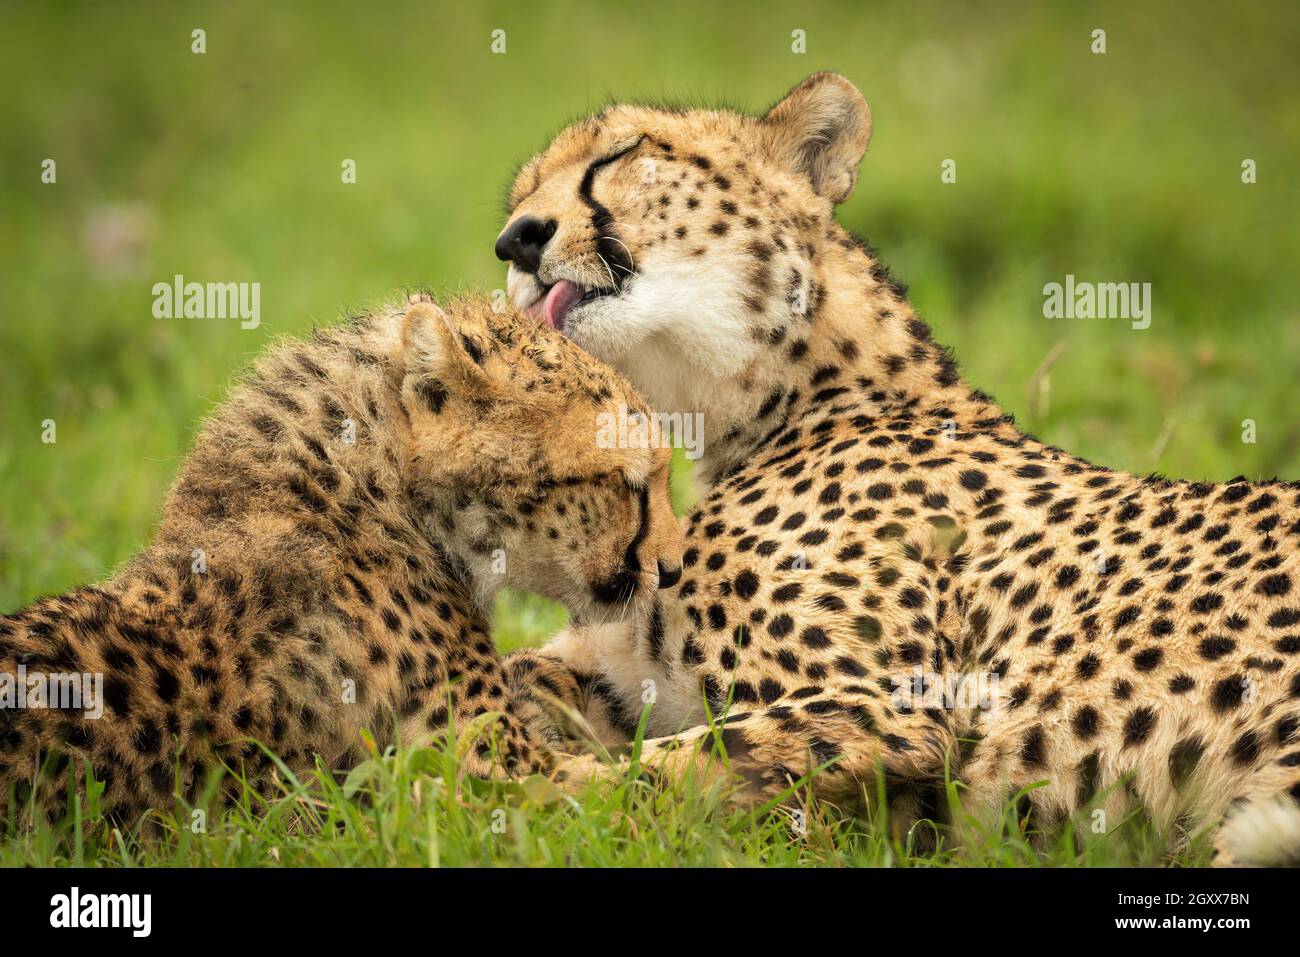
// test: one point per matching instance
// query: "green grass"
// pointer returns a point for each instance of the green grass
(410, 808)
(226, 166)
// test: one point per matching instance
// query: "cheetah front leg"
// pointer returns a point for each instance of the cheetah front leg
(504, 711)
(562, 692)
(546, 695)
(840, 738)
(538, 701)
(601, 721)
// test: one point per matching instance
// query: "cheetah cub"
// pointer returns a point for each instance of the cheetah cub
(327, 557)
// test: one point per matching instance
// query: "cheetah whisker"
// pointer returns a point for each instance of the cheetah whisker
(609, 271)
(630, 257)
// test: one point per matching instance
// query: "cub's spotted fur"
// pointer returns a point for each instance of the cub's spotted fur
(349, 500)
(870, 515)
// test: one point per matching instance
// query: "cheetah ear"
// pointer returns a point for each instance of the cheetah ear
(821, 129)
(435, 348)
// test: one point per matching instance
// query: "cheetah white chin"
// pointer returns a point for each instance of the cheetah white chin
(676, 328)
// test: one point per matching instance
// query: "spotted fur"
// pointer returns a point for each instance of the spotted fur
(328, 555)
(869, 514)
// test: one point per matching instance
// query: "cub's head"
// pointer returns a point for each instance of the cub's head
(677, 245)
(535, 460)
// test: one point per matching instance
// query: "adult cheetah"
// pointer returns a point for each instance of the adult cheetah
(328, 555)
(871, 517)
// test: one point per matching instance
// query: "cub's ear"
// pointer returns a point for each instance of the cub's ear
(436, 350)
(821, 130)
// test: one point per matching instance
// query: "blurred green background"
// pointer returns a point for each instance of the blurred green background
(226, 166)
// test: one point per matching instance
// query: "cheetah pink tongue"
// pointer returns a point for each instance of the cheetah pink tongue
(559, 300)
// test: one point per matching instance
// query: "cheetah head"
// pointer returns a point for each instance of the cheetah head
(678, 245)
(531, 456)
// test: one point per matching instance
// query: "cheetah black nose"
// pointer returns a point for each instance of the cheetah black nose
(521, 242)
